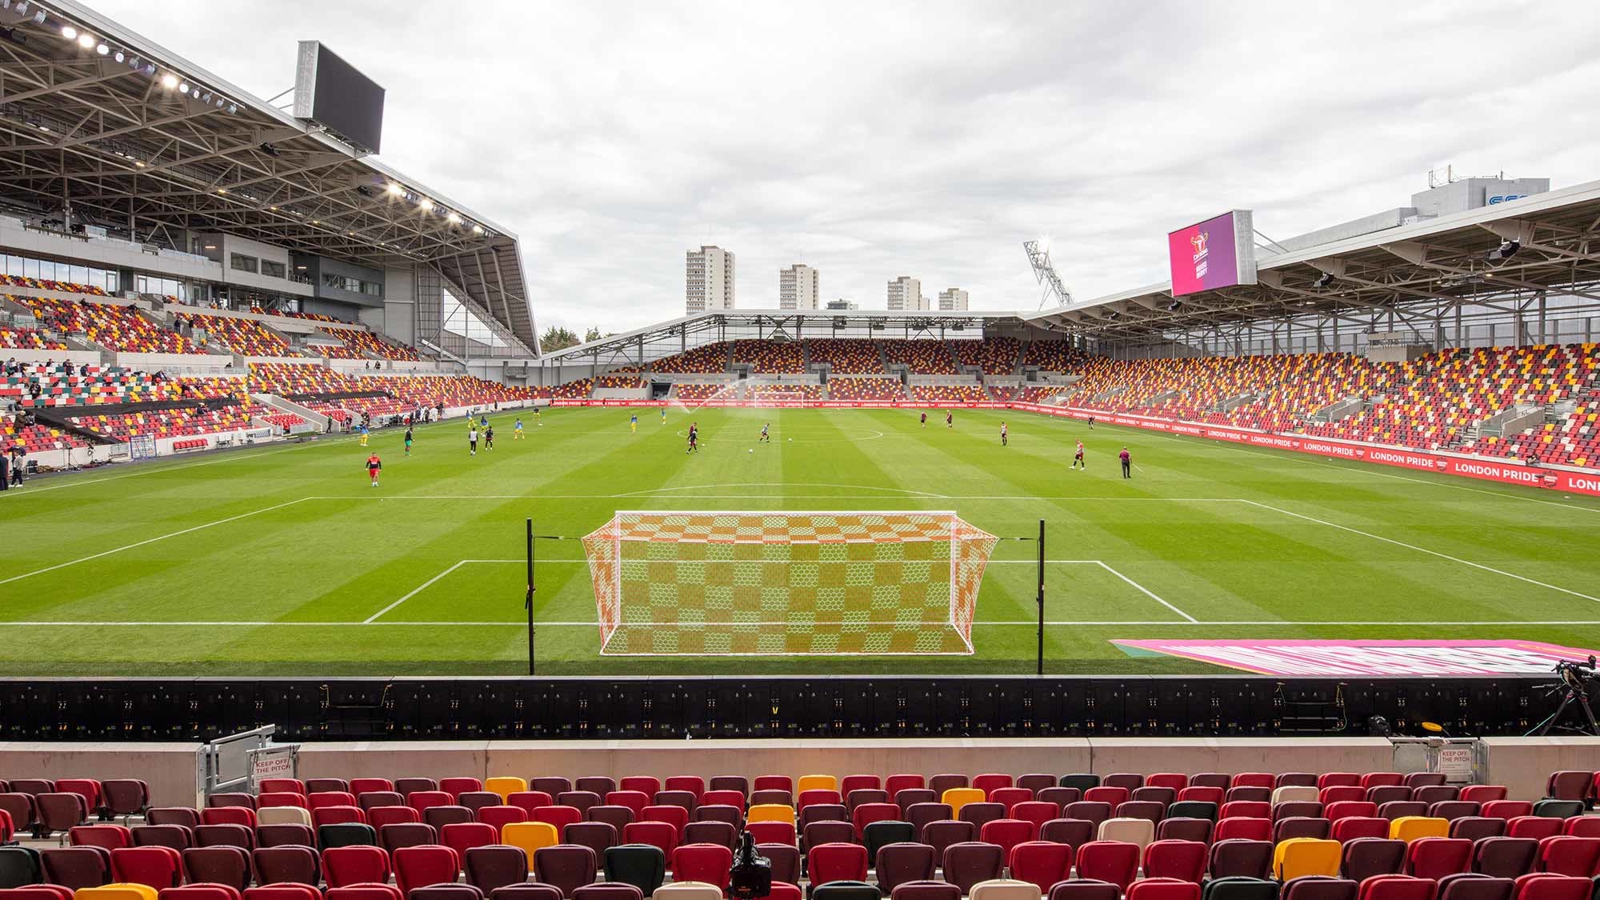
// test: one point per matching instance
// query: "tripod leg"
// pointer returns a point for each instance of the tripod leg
(1583, 700)
(1543, 728)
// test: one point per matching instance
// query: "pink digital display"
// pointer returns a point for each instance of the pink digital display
(1206, 256)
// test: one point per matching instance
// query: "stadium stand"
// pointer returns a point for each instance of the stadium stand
(1054, 356)
(35, 438)
(119, 328)
(192, 420)
(574, 390)
(706, 359)
(38, 385)
(770, 357)
(865, 389)
(366, 345)
(699, 392)
(451, 390)
(1574, 440)
(1442, 396)
(760, 392)
(246, 337)
(65, 287)
(626, 377)
(921, 356)
(1179, 830)
(949, 393)
(995, 355)
(28, 339)
(846, 357)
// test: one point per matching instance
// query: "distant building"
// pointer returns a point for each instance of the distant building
(708, 280)
(905, 294)
(842, 304)
(798, 287)
(953, 300)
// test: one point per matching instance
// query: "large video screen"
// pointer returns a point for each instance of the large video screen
(333, 93)
(1216, 253)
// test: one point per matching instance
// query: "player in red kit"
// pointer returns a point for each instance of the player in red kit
(374, 464)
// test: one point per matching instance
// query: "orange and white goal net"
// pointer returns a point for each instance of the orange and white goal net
(786, 583)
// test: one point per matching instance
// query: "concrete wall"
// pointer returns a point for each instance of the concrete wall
(169, 769)
(1521, 764)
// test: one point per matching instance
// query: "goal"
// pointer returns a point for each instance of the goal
(786, 583)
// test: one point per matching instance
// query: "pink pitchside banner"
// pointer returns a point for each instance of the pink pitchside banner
(1363, 658)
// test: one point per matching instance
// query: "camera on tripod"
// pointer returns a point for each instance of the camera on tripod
(1573, 686)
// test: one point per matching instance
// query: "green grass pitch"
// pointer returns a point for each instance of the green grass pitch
(283, 561)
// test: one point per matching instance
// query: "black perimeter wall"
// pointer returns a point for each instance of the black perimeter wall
(533, 708)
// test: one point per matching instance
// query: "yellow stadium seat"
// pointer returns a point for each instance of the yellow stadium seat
(530, 836)
(1297, 857)
(1409, 828)
(116, 892)
(816, 783)
(505, 785)
(956, 798)
(771, 812)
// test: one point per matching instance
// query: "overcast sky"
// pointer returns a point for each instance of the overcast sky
(877, 139)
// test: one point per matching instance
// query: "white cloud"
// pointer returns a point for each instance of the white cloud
(873, 140)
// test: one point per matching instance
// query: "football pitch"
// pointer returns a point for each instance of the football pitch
(281, 560)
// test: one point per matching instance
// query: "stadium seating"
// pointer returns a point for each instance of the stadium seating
(846, 356)
(119, 328)
(190, 420)
(243, 336)
(625, 377)
(36, 385)
(1574, 440)
(65, 287)
(1056, 858)
(882, 389)
(27, 339)
(706, 359)
(1054, 356)
(367, 345)
(949, 393)
(921, 356)
(767, 392)
(770, 357)
(694, 393)
(1438, 398)
(996, 355)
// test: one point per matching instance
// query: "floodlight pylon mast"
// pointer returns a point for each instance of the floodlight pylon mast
(1044, 272)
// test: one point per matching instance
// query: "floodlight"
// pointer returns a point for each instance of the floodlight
(395, 190)
(68, 32)
(102, 49)
(183, 87)
(86, 41)
(453, 219)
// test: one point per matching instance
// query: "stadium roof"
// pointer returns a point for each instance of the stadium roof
(99, 121)
(1416, 272)
(773, 324)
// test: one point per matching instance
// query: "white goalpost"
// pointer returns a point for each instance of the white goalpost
(777, 396)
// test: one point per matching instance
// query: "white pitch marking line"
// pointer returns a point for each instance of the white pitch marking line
(1274, 623)
(1362, 469)
(415, 591)
(1456, 559)
(1141, 589)
(229, 457)
(150, 541)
